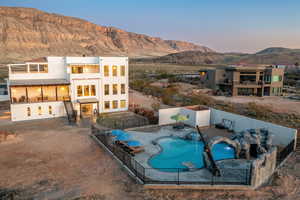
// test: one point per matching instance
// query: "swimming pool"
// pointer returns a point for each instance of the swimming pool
(176, 151)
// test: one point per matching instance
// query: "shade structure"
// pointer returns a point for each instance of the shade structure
(124, 137)
(134, 143)
(117, 132)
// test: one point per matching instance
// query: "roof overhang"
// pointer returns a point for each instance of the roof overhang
(38, 82)
(88, 100)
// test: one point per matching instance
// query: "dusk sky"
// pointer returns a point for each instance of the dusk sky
(223, 25)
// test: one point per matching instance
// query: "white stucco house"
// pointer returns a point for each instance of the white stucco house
(59, 86)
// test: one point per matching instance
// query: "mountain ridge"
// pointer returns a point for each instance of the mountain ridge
(29, 32)
(268, 56)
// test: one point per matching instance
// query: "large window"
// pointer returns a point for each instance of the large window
(114, 70)
(123, 103)
(18, 95)
(34, 94)
(49, 93)
(123, 70)
(79, 90)
(79, 69)
(106, 89)
(106, 70)
(93, 90)
(123, 89)
(115, 89)
(106, 105)
(86, 90)
(115, 104)
(63, 93)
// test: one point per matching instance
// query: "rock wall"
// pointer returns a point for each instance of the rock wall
(263, 167)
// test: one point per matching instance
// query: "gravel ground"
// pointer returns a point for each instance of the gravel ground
(52, 160)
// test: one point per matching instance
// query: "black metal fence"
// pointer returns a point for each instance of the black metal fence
(229, 176)
(281, 155)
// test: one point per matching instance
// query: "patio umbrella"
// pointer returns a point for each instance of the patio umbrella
(117, 132)
(124, 137)
(134, 143)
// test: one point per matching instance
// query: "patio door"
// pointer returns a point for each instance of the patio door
(86, 110)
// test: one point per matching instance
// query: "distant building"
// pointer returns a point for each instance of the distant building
(245, 81)
(68, 86)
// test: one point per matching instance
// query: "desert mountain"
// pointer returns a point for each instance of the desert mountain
(26, 33)
(274, 55)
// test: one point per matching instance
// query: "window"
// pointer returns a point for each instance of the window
(28, 112)
(106, 70)
(49, 93)
(39, 110)
(114, 70)
(123, 70)
(77, 69)
(106, 89)
(18, 95)
(115, 89)
(115, 104)
(123, 103)
(33, 68)
(50, 110)
(63, 93)
(79, 91)
(43, 68)
(86, 90)
(122, 88)
(34, 94)
(106, 105)
(93, 90)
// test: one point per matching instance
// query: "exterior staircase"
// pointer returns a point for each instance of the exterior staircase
(71, 113)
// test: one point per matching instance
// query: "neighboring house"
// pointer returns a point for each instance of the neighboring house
(245, 81)
(4, 92)
(82, 86)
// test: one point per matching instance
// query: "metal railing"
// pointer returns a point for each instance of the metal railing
(229, 176)
(281, 156)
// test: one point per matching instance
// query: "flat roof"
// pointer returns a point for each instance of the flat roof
(88, 100)
(36, 82)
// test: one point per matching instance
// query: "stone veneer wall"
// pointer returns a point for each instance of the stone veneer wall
(263, 167)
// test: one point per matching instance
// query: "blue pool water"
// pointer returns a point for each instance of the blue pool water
(175, 151)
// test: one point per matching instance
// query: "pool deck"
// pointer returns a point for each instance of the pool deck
(148, 135)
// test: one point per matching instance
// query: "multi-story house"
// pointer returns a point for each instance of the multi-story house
(245, 81)
(73, 86)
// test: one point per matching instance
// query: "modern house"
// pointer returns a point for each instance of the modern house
(73, 86)
(245, 81)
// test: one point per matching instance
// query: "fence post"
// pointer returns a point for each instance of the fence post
(177, 176)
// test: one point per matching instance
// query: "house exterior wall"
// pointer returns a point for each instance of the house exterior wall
(19, 111)
(60, 68)
(200, 118)
(283, 135)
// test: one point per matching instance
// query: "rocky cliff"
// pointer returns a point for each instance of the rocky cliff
(26, 33)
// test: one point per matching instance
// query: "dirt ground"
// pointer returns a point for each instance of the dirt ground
(52, 160)
(138, 98)
(278, 104)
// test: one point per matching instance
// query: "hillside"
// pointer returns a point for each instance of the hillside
(27, 33)
(267, 56)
